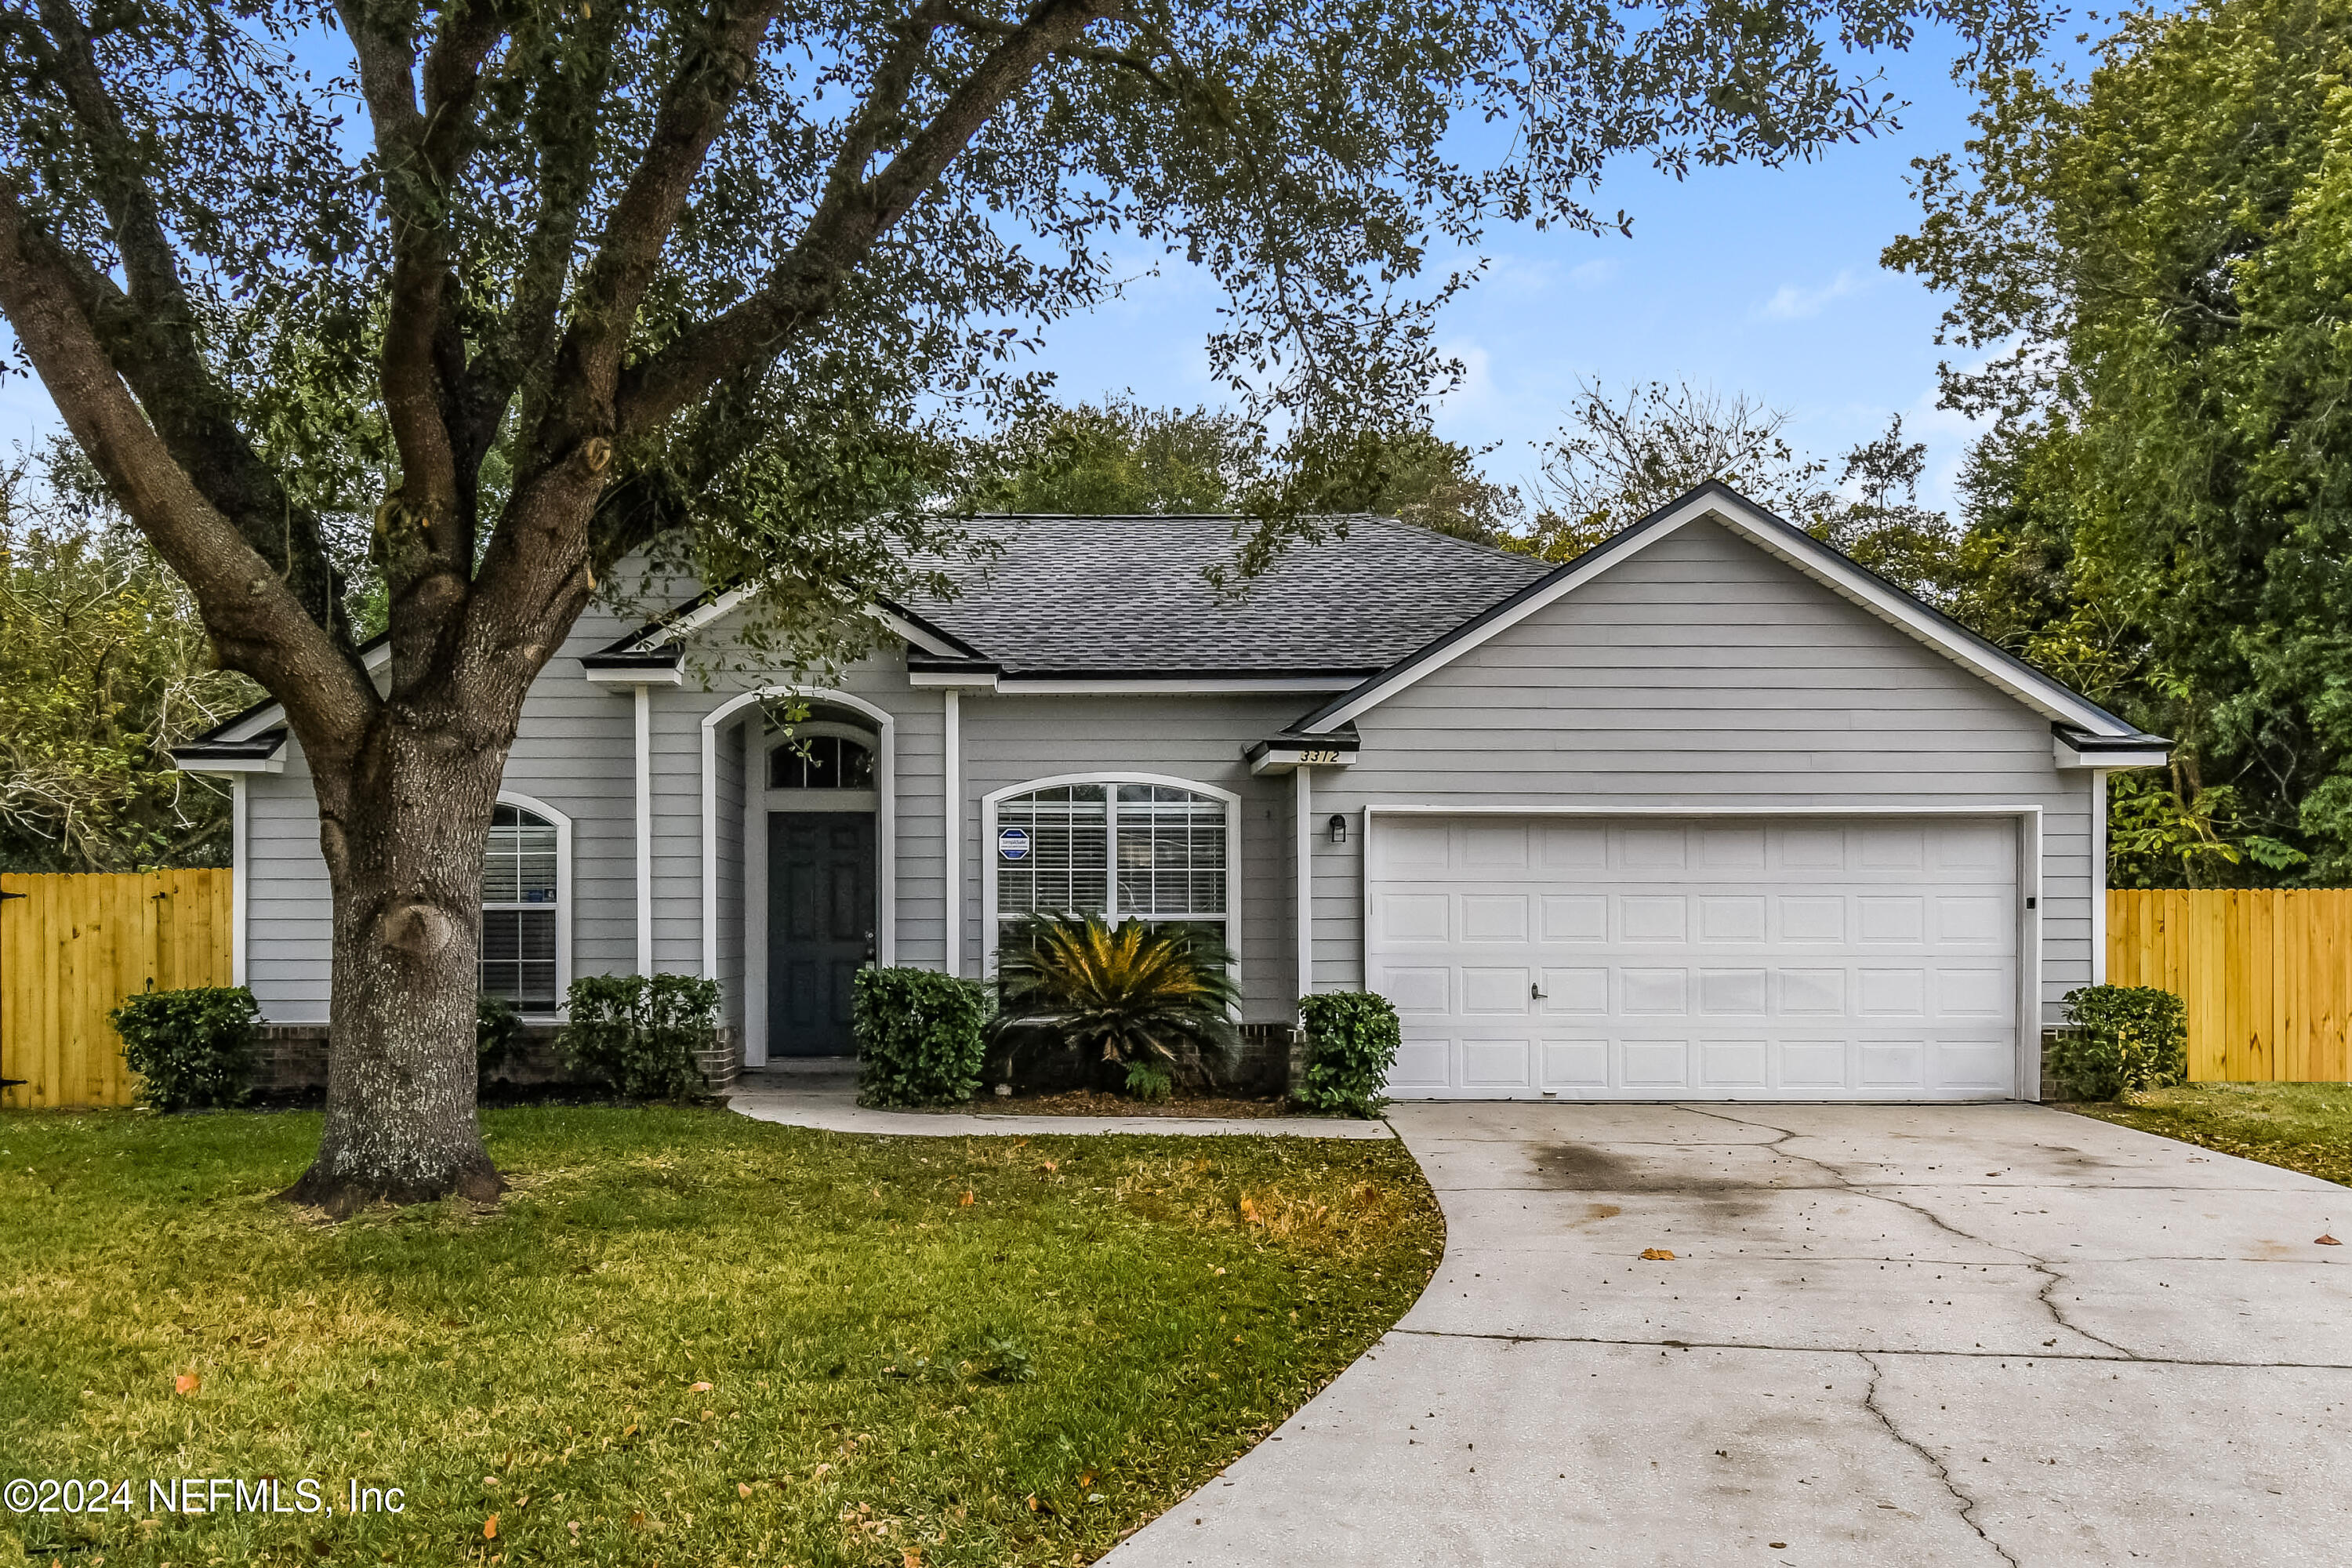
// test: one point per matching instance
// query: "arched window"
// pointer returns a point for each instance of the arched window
(825, 760)
(521, 887)
(1057, 847)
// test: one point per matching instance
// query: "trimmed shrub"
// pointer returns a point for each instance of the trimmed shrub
(1353, 1038)
(921, 1036)
(1123, 995)
(498, 1028)
(1150, 1085)
(2123, 1039)
(192, 1049)
(639, 1034)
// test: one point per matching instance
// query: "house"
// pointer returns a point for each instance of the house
(1709, 811)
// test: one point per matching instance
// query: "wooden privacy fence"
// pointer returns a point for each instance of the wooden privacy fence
(72, 947)
(2267, 975)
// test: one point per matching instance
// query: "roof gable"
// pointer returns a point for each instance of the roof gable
(1799, 551)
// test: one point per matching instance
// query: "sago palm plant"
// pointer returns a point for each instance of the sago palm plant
(1155, 1002)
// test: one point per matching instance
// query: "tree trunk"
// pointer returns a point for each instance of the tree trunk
(403, 829)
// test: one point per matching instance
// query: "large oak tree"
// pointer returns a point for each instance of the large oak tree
(507, 291)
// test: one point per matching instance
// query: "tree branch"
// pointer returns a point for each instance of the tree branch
(801, 287)
(257, 623)
(693, 111)
(149, 335)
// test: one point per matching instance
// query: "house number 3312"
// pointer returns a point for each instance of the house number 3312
(1305, 757)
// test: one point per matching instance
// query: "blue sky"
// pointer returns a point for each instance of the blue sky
(1748, 280)
(1745, 279)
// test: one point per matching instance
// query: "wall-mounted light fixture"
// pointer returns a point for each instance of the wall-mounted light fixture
(1338, 828)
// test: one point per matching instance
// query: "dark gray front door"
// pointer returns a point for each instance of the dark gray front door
(821, 920)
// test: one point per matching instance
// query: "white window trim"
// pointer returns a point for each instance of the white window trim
(2030, 891)
(563, 824)
(755, 869)
(1231, 801)
(240, 875)
(816, 799)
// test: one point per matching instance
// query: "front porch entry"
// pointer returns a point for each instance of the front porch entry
(819, 908)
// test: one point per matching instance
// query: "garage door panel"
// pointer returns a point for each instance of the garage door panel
(1490, 991)
(1731, 916)
(1976, 919)
(1418, 991)
(1423, 1064)
(1575, 1064)
(1498, 1061)
(1732, 993)
(1814, 1064)
(1412, 917)
(1808, 917)
(1651, 1062)
(1575, 917)
(1494, 917)
(1571, 991)
(1982, 1064)
(1734, 1064)
(1654, 916)
(1703, 957)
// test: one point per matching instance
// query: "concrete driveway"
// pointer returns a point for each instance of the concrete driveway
(1888, 1335)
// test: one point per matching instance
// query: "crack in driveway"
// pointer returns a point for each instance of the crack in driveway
(2050, 1278)
(1967, 1505)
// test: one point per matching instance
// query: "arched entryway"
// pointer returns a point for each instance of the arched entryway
(820, 780)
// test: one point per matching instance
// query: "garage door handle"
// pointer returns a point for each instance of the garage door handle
(1535, 990)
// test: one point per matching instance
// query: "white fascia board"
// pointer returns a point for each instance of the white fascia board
(2152, 755)
(1174, 686)
(726, 603)
(225, 766)
(1288, 759)
(1798, 549)
(637, 675)
(913, 636)
(952, 680)
(690, 621)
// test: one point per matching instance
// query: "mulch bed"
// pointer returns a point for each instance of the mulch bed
(1093, 1102)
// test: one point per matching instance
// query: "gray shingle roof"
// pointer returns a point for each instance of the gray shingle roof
(1127, 595)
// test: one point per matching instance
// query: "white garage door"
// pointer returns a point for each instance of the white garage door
(1651, 958)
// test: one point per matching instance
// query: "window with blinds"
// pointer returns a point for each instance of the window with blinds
(1057, 849)
(519, 908)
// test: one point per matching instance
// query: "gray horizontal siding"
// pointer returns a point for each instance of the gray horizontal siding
(1702, 672)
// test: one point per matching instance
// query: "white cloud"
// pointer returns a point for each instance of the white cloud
(1792, 303)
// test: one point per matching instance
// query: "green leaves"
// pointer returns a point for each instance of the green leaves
(2154, 259)
(1159, 997)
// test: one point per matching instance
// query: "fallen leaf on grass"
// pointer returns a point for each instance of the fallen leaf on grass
(699, 1388)
(742, 1488)
(1085, 1479)
(1656, 1255)
(490, 1528)
(966, 1201)
(1250, 1213)
(186, 1383)
(637, 1520)
(910, 1557)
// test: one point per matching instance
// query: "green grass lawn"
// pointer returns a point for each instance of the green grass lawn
(2302, 1126)
(684, 1338)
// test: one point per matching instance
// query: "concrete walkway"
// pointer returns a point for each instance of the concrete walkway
(821, 1092)
(1888, 1335)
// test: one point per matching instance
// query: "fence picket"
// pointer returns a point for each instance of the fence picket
(73, 948)
(2267, 974)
